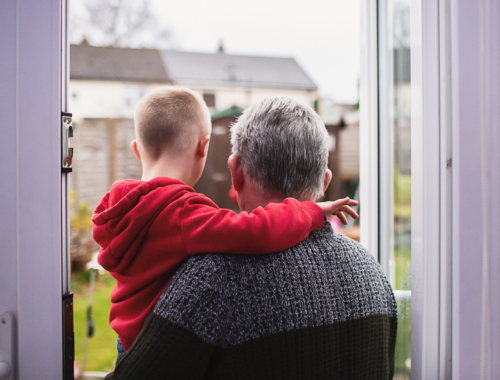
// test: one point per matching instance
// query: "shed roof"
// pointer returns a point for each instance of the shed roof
(116, 64)
(249, 71)
(233, 111)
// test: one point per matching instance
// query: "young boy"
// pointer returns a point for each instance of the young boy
(148, 228)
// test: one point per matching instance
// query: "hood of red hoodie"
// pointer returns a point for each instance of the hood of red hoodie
(122, 218)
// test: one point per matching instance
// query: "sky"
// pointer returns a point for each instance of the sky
(322, 35)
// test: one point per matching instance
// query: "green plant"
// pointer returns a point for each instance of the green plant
(82, 243)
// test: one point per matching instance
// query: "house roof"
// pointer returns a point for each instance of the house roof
(221, 68)
(149, 65)
(116, 64)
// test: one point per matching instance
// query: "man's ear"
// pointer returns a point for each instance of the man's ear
(203, 144)
(133, 145)
(328, 179)
(237, 174)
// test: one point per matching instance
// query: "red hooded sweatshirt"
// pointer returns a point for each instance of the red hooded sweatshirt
(146, 230)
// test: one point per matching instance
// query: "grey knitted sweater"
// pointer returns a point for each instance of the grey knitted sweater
(320, 310)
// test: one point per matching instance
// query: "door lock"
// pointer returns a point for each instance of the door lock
(66, 134)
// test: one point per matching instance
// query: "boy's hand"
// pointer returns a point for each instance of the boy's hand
(338, 208)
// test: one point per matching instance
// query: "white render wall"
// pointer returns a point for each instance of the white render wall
(106, 99)
(109, 99)
(226, 97)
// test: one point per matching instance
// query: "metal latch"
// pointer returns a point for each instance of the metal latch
(7, 346)
(66, 133)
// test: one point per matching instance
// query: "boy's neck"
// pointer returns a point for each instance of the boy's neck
(180, 169)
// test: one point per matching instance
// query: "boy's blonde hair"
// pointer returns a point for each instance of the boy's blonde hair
(168, 118)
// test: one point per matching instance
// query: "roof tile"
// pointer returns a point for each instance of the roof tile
(250, 71)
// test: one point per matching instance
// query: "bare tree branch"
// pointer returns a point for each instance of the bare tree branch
(124, 23)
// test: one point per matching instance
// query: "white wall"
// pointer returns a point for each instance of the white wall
(109, 99)
(106, 99)
(226, 96)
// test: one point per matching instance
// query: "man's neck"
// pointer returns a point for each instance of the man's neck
(249, 204)
(251, 198)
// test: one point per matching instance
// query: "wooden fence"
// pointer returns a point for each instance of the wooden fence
(102, 155)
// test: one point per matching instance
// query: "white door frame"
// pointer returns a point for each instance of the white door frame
(368, 128)
(33, 274)
(430, 179)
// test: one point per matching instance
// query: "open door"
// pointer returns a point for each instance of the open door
(35, 303)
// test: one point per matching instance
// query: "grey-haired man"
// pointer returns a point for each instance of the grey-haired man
(320, 310)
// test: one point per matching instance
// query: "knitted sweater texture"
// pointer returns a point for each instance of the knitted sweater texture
(322, 309)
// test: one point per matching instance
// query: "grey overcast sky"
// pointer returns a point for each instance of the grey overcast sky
(322, 35)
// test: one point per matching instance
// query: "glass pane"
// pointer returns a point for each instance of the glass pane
(395, 166)
(402, 181)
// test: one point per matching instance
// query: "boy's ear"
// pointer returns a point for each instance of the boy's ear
(328, 178)
(237, 174)
(203, 144)
(133, 145)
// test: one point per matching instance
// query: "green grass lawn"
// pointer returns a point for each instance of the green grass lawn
(402, 256)
(102, 346)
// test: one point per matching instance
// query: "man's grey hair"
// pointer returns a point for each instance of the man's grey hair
(283, 146)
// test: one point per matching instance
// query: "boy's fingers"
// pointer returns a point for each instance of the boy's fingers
(335, 205)
(342, 217)
(340, 205)
(349, 201)
(350, 211)
(347, 209)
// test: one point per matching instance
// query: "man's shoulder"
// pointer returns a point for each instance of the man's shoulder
(216, 274)
(201, 274)
(194, 298)
(332, 247)
(229, 299)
